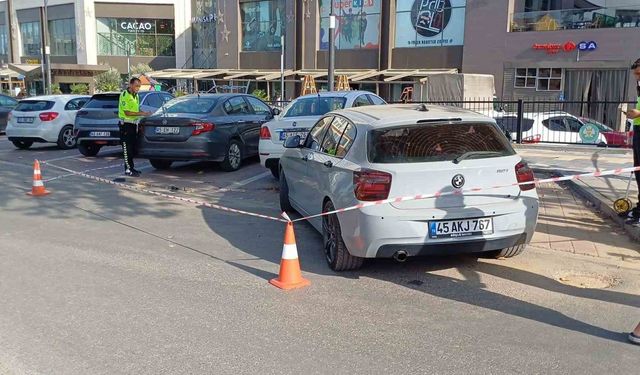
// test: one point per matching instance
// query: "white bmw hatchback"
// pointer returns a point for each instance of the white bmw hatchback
(300, 115)
(45, 119)
(379, 152)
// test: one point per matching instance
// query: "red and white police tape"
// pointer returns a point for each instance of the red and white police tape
(612, 172)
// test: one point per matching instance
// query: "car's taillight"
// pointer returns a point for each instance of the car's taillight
(265, 133)
(202, 127)
(525, 174)
(49, 116)
(370, 185)
(533, 139)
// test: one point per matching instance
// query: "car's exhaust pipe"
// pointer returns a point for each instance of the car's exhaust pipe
(400, 256)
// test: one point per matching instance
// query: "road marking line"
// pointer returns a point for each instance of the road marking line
(247, 181)
(78, 156)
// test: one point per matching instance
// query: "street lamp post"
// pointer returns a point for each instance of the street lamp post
(47, 48)
(332, 55)
(282, 68)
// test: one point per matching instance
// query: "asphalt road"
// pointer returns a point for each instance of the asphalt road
(99, 280)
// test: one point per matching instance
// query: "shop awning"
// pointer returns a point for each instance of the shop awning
(34, 70)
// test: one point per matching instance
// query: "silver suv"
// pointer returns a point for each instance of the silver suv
(373, 153)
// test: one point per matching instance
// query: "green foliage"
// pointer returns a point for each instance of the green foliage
(261, 94)
(178, 94)
(141, 68)
(109, 81)
(79, 89)
(55, 89)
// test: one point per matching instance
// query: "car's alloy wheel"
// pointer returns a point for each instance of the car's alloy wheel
(66, 140)
(335, 250)
(233, 158)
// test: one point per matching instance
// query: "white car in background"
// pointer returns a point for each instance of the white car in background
(45, 119)
(300, 115)
(375, 153)
(547, 127)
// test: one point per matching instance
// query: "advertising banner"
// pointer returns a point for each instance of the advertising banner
(430, 23)
(357, 23)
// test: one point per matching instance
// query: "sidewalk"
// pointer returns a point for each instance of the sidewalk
(601, 192)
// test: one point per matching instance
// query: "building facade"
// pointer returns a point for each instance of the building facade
(574, 50)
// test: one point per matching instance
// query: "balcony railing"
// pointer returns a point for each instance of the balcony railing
(576, 19)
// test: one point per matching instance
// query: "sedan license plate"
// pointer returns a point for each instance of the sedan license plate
(460, 228)
(290, 133)
(100, 134)
(25, 120)
(167, 130)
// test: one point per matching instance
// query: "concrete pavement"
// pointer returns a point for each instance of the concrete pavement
(600, 192)
(105, 281)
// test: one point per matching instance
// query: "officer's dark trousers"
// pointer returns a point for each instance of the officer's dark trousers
(636, 156)
(128, 137)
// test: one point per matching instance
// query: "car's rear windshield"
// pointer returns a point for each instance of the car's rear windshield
(317, 106)
(510, 123)
(190, 105)
(34, 105)
(437, 142)
(103, 102)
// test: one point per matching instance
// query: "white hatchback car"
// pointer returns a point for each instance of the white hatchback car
(300, 115)
(374, 153)
(45, 119)
(548, 127)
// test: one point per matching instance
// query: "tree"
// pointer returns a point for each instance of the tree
(261, 94)
(79, 89)
(141, 68)
(109, 81)
(55, 89)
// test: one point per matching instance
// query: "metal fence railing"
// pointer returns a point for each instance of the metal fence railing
(543, 121)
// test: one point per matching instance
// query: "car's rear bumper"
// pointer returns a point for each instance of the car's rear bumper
(270, 153)
(192, 149)
(379, 231)
(32, 134)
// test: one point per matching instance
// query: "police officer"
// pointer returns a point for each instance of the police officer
(129, 112)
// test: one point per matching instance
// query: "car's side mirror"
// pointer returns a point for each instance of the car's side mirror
(276, 111)
(292, 142)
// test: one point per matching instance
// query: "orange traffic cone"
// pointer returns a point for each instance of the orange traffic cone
(290, 276)
(37, 190)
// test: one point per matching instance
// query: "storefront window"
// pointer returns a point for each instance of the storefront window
(135, 37)
(357, 24)
(203, 31)
(31, 40)
(62, 34)
(540, 79)
(263, 24)
(4, 40)
(430, 23)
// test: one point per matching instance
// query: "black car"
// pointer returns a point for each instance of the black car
(7, 103)
(97, 122)
(214, 127)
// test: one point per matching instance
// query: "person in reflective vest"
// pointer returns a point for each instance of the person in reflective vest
(129, 113)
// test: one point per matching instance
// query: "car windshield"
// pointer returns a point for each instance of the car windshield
(437, 142)
(103, 102)
(190, 105)
(315, 106)
(34, 105)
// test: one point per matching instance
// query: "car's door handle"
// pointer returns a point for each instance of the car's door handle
(328, 164)
(241, 122)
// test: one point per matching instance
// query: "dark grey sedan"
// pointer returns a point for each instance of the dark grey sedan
(222, 128)
(7, 103)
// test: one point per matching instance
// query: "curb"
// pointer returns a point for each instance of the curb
(601, 204)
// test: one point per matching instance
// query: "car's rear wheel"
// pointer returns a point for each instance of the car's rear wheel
(508, 252)
(335, 250)
(233, 157)
(275, 171)
(285, 203)
(66, 139)
(160, 164)
(23, 145)
(89, 149)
